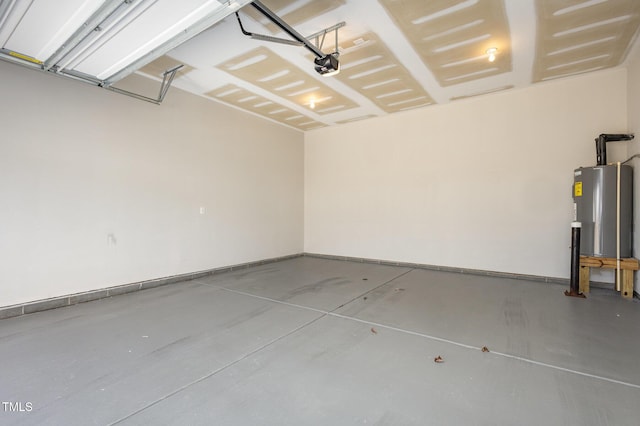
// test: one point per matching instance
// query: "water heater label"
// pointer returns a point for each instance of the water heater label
(577, 189)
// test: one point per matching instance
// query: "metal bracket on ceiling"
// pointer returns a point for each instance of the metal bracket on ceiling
(319, 42)
(26, 61)
(325, 64)
(322, 33)
(298, 39)
(167, 79)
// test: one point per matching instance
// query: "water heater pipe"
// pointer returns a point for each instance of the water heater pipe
(601, 145)
(618, 228)
(574, 283)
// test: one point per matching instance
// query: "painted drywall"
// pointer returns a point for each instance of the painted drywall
(99, 189)
(482, 183)
(633, 108)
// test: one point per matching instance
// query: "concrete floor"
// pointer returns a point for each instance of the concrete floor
(311, 341)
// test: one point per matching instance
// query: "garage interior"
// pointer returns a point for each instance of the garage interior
(197, 227)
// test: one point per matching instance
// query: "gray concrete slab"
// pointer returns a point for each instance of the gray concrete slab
(97, 362)
(338, 372)
(259, 346)
(312, 282)
(597, 335)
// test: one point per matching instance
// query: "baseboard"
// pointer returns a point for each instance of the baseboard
(481, 272)
(73, 299)
(445, 268)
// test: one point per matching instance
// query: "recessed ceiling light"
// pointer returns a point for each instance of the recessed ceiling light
(491, 52)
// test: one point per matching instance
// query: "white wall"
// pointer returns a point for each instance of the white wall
(633, 103)
(78, 163)
(483, 183)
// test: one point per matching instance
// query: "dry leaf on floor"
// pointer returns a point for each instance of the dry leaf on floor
(398, 289)
(373, 330)
(485, 349)
(438, 359)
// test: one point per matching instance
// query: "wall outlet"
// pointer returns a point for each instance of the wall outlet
(111, 239)
(203, 210)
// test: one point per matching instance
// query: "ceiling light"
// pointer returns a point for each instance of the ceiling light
(312, 104)
(492, 53)
(327, 65)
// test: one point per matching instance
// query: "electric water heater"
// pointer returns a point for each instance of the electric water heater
(603, 206)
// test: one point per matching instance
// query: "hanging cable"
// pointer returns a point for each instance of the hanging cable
(631, 158)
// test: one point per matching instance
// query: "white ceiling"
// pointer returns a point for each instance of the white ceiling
(395, 54)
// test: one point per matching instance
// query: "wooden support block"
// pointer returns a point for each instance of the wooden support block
(584, 279)
(610, 262)
(627, 284)
(627, 265)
